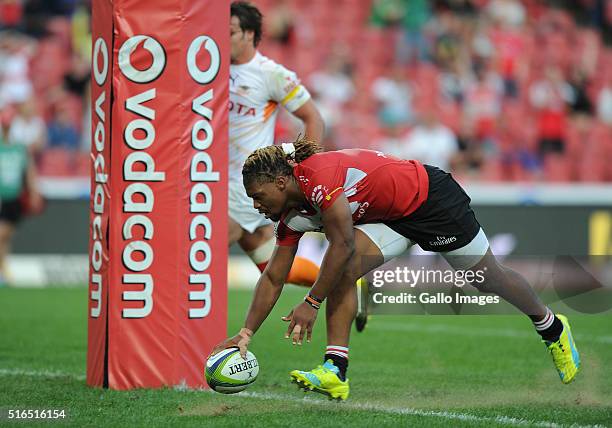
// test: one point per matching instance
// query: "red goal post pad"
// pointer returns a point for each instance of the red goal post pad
(158, 217)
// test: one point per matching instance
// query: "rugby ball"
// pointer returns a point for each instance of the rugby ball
(227, 372)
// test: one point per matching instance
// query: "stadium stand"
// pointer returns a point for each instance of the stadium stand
(525, 86)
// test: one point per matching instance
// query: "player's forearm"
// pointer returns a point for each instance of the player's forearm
(336, 259)
(314, 127)
(266, 294)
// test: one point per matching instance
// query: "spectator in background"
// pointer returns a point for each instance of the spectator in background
(11, 13)
(471, 156)
(17, 184)
(601, 13)
(15, 53)
(455, 81)
(280, 23)
(394, 96)
(81, 30)
(483, 102)
(387, 13)
(508, 41)
(37, 14)
(27, 128)
(412, 17)
(334, 85)
(391, 141)
(431, 142)
(61, 132)
(580, 102)
(510, 13)
(451, 55)
(414, 46)
(462, 8)
(77, 86)
(549, 96)
(76, 79)
(448, 42)
(604, 100)
(581, 107)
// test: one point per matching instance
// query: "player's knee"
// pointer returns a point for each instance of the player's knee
(350, 275)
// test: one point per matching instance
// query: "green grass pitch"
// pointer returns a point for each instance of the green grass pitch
(404, 371)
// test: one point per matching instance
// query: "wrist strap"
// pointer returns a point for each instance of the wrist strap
(313, 301)
(316, 299)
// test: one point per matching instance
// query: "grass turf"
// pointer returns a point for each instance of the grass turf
(411, 370)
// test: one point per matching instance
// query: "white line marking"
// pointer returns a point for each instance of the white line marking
(505, 420)
(40, 373)
(477, 331)
(499, 419)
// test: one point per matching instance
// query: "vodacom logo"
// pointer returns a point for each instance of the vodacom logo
(125, 59)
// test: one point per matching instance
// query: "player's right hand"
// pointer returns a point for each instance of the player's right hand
(241, 340)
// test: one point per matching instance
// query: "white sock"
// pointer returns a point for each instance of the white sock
(545, 322)
(341, 351)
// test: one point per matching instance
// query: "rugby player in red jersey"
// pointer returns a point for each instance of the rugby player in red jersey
(369, 203)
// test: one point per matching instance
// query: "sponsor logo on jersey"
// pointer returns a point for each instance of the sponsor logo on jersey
(242, 109)
(290, 85)
(442, 240)
(362, 210)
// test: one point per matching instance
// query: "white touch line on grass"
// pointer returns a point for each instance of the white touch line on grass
(476, 331)
(505, 420)
(40, 373)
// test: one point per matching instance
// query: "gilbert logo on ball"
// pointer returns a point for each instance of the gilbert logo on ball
(227, 372)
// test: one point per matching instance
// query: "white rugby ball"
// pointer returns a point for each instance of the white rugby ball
(227, 372)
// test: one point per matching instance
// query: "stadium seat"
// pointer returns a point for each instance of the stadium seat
(57, 163)
(557, 168)
(83, 165)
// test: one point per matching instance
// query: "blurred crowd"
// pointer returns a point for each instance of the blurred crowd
(496, 90)
(506, 90)
(45, 60)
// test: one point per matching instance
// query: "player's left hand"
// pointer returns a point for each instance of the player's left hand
(301, 321)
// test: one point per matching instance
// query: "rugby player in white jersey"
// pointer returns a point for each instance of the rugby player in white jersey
(258, 88)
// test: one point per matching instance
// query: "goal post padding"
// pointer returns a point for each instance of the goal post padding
(158, 212)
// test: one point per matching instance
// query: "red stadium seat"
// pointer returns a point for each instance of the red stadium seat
(83, 165)
(557, 168)
(57, 163)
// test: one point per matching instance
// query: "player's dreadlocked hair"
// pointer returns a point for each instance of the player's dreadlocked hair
(267, 163)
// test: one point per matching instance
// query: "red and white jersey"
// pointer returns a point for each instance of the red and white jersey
(379, 188)
(256, 90)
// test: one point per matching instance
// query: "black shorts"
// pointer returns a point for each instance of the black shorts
(10, 210)
(445, 221)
